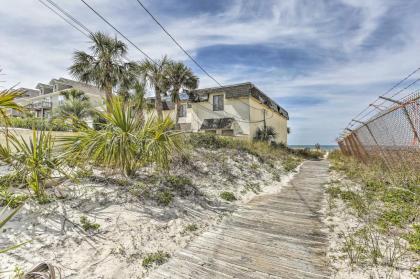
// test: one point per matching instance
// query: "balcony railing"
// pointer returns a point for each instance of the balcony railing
(39, 105)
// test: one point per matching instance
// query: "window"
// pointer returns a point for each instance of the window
(228, 133)
(60, 100)
(182, 110)
(218, 102)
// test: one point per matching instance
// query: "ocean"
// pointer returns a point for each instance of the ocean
(323, 147)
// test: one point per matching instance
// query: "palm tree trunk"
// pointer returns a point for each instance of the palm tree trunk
(158, 103)
(178, 103)
(108, 96)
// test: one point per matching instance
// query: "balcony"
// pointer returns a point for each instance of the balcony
(39, 105)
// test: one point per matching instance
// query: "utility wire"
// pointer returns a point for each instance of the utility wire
(65, 19)
(177, 43)
(118, 31)
(70, 16)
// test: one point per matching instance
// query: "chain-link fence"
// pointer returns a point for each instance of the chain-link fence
(391, 136)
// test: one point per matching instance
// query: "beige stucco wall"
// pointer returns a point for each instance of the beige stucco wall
(244, 110)
(273, 119)
(233, 108)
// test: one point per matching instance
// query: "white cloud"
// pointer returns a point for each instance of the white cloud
(36, 46)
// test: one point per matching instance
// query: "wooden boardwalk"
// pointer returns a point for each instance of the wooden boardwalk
(273, 236)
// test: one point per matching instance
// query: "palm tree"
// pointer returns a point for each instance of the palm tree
(180, 77)
(125, 142)
(7, 103)
(154, 74)
(104, 67)
(76, 105)
(74, 94)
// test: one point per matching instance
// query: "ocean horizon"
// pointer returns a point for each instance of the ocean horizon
(312, 146)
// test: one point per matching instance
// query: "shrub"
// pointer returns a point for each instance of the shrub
(228, 196)
(34, 159)
(333, 191)
(355, 201)
(53, 124)
(164, 198)
(400, 216)
(157, 258)
(254, 187)
(291, 163)
(12, 200)
(191, 228)
(88, 225)
(265, 134)
(413, 238)
(125, 142)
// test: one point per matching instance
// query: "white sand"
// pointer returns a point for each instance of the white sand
(130, 227)
(340, 220)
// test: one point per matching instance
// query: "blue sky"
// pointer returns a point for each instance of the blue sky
(323, 61)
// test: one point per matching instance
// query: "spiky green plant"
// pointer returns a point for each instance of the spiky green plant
(76, 105)
(266, 133)
(5, 217)
(125, 141)
(33, 159)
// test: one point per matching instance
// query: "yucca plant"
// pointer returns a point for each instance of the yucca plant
(33, 159)
(125, 141)
(266, 133)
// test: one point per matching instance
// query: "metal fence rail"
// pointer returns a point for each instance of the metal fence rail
(391, 135)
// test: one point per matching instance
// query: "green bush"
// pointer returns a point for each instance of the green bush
(88, 225)
(334, 191)
(399, 217)
(34, 160)
(157, 258)
(164, 198)
(291, 163)
(11, 199)
(53, 124)
(191, 228)
(228, 196)
(413, 239)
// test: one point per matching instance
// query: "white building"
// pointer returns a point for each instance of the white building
(47, 97)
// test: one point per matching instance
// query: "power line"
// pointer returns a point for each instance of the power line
(118, 31)
(70, 16)
(125, 37)
(65, 19)
(177, 43)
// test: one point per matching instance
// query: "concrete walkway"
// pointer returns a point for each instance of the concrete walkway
(273, 236)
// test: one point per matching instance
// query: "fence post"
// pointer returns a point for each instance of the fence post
(403, 105)
(363, 152)
(379, 147)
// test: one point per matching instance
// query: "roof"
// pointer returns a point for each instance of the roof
(27, 92)
(87, 88)
(238, 90)
(217, 123)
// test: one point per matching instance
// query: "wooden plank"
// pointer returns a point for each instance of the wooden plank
(273, 236)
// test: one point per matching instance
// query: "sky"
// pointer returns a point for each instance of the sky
(323, 61)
